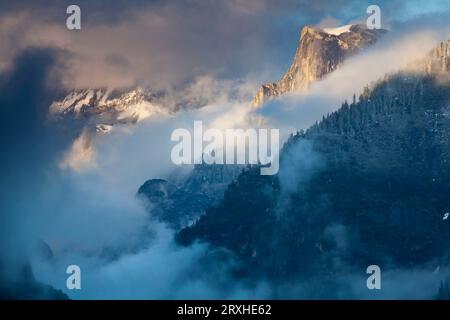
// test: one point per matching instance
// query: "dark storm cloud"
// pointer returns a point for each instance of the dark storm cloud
(29, 144)
(37, 200)
(167, 43)
(25, 93)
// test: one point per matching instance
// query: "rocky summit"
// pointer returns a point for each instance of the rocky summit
(110, 106)
(319, 52)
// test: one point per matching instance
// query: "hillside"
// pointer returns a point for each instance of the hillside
(374, 191)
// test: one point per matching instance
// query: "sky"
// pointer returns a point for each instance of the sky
(168, 45)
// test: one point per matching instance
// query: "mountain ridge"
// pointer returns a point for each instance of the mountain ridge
(381, 197)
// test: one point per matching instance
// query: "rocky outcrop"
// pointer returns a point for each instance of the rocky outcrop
(110, 107)
(319, 52)
(179, 204)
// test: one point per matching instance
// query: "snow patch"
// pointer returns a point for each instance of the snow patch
(103, 128)
(339, 30)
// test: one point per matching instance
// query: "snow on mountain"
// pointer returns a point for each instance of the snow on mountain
(101, 110)
(110, 107)
(339, 30)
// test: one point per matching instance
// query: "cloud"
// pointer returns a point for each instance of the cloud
(30, 146)
(299, 163)
(81, 155)
(93, 217)
(395, 51)
(39, 201)
(165, 44)
(164, 270)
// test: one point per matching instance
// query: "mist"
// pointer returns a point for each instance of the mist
(83, 205)
(393, 52)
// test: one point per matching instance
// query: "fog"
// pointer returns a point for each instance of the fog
(91, 216)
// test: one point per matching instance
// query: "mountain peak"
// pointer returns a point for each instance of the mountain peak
(308, 29)
(106, 106)
(319, 52)
(336, 31)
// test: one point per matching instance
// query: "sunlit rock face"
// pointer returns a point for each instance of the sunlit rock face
(319, 52)
(110, 106)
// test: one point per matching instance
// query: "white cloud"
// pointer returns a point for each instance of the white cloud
(297, 111)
